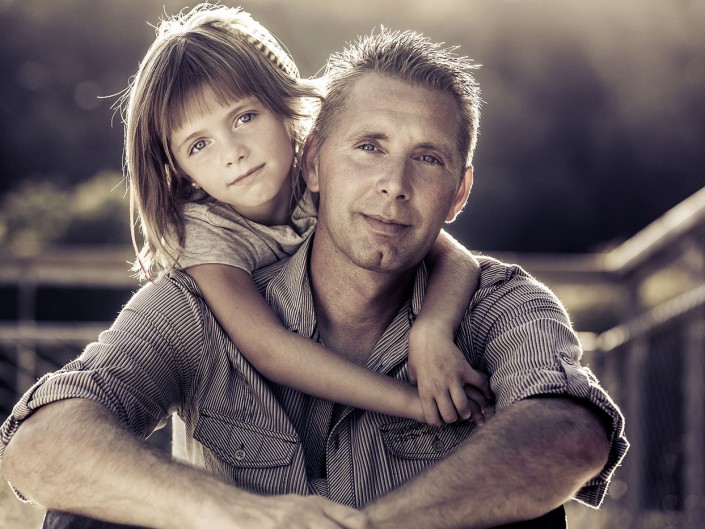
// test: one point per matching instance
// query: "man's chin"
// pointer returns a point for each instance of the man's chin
(385, 262)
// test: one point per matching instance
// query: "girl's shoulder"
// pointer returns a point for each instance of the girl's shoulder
(213, 212)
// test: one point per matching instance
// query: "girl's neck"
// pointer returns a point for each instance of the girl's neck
(275, 212)
(276, 215)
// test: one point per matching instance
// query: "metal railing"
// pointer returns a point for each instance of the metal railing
(640, 307)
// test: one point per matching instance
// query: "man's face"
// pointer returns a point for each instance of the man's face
(389, 174)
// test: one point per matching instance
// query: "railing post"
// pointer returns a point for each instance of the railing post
(637, 352)
(27, 317)
(694, 396)
(694, 399)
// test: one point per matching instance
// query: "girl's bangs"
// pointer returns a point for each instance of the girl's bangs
(197, 69)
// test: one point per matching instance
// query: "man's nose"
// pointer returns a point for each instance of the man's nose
(394, 180)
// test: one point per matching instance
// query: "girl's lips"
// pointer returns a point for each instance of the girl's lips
(242, 179)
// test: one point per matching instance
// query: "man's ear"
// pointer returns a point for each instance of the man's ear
(310, 163)
(461, 196)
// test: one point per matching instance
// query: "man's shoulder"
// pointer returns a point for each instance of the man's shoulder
(502, 282)
(171, 290)
(495, 273)
(262, 277)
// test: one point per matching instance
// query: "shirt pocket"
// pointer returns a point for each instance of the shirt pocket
(251, 457)
(412, 447)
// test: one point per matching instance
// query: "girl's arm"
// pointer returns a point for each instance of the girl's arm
(448, 386)
(287, 358)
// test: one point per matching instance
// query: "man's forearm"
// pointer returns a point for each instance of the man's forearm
(74, 456)
(525, 461)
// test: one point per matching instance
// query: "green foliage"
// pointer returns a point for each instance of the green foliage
(41, 214)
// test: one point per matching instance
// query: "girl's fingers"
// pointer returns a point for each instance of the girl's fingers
(461, 402)
(431, 414)
(446, 407)
(479, 380)
(478, 402)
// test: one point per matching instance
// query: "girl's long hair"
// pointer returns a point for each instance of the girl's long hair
(210, 47)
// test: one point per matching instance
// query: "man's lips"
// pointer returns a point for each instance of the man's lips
(385, 225)
(243, 178)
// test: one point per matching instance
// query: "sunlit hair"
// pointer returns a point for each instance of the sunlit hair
(210, 47)
(407, 56)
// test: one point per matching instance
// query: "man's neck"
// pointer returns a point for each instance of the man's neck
(354, 306)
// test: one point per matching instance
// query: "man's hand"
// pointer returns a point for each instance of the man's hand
(280, 512)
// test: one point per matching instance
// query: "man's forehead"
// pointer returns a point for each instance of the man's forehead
(375, 89)
(378, 105)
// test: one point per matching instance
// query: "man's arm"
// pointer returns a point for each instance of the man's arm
(73, 455)
(527, 460)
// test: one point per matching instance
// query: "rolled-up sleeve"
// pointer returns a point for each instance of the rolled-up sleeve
(530, 349)
(141, 369)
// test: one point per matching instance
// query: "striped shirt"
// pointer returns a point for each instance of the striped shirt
(165, 354)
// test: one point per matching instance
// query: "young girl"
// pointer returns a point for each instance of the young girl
(215, 122)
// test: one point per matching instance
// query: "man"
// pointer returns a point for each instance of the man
(390, 157)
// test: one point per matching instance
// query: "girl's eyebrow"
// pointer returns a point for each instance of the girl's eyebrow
(188, 140)
(239, 106)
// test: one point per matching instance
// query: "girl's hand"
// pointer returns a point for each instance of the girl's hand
(449, 388)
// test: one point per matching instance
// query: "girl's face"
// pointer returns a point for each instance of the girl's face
(240, 153)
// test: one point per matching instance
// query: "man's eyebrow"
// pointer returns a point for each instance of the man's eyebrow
(367, 134)
(446, 152)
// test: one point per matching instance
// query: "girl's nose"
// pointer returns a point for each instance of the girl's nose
(236, 152)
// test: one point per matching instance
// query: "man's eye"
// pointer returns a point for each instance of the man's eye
(198, 146)
(432, 160)
(367, 147)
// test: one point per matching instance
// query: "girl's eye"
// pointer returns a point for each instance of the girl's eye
(246, 118)
(198, 146)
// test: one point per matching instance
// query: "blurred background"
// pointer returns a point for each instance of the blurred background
(589, 172)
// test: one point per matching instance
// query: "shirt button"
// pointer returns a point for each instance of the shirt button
(240, 455)
(438, 445)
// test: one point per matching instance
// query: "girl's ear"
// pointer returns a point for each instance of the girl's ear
(461, 196)
(310, 163)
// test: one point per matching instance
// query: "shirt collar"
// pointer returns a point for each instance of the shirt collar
(289, 293)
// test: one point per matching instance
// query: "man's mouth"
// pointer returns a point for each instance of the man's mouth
(385, 225)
